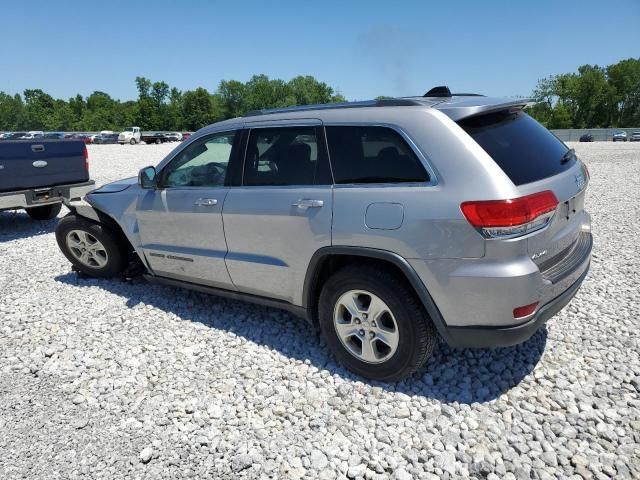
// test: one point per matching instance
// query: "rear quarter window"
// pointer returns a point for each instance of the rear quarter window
(522, 148)
(361, 154)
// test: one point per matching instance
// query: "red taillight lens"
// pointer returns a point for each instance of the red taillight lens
(509, 213)
(86, 158)
(525, 311)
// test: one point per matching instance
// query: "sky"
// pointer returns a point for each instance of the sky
(361, 48)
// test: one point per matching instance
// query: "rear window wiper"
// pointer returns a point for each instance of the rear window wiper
(568, 155)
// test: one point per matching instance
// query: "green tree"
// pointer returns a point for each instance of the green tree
(11, 112)
(232, 94)
(197, 109)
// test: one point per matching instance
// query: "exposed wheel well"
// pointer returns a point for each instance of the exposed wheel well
(112, 225)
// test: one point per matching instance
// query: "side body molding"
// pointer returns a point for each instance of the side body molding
(311, 278)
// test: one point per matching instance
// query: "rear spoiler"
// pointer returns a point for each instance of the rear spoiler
(456, 111)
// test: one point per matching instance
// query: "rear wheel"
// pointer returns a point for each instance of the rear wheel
(44, 212)
(158, 141)
(374, 324)
(91, 247)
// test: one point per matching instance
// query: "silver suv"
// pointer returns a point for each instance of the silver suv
(387, 223)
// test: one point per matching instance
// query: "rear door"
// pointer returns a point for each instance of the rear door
(180, 222)
(281, 214)
(45, 163)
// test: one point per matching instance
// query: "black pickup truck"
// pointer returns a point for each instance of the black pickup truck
(36, 175)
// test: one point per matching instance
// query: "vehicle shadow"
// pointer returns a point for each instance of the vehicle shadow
(17, 224)
(451, 375)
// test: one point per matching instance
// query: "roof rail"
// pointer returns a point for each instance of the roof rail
(384, 102)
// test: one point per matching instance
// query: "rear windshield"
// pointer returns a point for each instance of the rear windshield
(524, 149)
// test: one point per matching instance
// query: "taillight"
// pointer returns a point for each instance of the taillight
(86, 158)
(513, 217)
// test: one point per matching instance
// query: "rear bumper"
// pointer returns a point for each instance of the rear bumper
(490, 337)
(35, 197)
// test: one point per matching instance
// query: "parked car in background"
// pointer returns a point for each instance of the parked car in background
(14, 135)
(87, 139)
(31, 135)
(106, 138)
(587, 137)
(620, 136)
(174, 136)
(380, 238)
(37, 175)
(154, 137)
(54, 135)
(130, 135)
(185, 136)
(634, 137)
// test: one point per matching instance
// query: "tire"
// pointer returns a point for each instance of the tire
(405, 319)
(45, 212)
(158, 141)
(132, 141)
(112, 252)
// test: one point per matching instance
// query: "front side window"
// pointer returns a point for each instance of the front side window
(281, 156)
(361, 154)
(202, 164)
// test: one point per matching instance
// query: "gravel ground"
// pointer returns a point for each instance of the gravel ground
(107, 379)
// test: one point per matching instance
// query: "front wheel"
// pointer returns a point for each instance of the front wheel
(91, 247)
(132, 141)
(44, 212)
(374, 323)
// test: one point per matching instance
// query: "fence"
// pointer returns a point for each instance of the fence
(599, 134)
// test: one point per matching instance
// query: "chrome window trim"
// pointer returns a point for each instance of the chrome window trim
(426, 163)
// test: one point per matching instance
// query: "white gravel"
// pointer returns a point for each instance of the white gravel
(107, 379)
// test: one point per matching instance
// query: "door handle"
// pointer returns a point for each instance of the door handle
(308, 203)
(206, 202)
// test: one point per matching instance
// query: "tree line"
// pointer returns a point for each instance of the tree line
(159, 106)
(591, 98)
(594, 97)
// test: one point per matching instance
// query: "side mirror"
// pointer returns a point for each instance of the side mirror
(147, 177)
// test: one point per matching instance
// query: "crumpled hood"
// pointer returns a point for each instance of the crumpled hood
(117, 186)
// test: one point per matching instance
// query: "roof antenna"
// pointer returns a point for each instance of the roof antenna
(441, 91)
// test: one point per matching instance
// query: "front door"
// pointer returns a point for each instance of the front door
(180, 222)
(281, 214)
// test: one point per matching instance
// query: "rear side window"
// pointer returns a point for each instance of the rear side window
(372, 155)
(281, 156)
(524, 149)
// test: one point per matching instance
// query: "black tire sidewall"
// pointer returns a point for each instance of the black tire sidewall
(404, 314)
(115, 253)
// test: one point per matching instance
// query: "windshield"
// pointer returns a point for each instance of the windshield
(128, 129)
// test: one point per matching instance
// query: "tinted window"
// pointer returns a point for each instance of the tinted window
(524, 149)
(281, 156)
(202, 164)
(372, 155)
